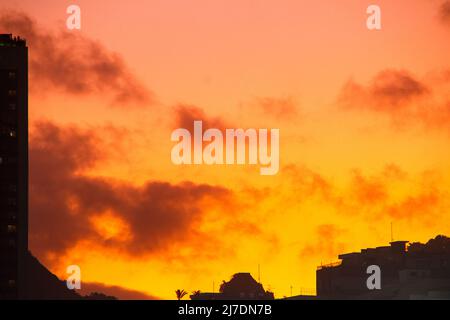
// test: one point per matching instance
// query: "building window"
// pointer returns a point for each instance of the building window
(12, 93)
(11, 228)
(12, 106)
(11, 75)
(8, 130)
(9, 160)
(12, 243)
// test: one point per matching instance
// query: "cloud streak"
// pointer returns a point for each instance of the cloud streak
(115, 291)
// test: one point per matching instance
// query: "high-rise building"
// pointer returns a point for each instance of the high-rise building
(13, 165)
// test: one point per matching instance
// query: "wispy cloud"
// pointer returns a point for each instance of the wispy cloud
(284, 108)
(372, 197)
(327, 243)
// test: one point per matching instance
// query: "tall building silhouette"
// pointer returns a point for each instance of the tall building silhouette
(22, 276)
(13, 166)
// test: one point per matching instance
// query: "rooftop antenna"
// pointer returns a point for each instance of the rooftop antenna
(392, 232)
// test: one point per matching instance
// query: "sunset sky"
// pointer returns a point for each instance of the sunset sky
(364, 119)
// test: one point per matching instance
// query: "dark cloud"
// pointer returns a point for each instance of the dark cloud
(444, 12)
(115, 291)
(64, 201)
(186, 114)
(403, 98)
(73, 63)
(389, 91)
(396, 87)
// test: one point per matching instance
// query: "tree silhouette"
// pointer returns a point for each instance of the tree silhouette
(222, 286)
(180, 294)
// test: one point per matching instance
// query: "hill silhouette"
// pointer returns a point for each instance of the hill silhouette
(41, 284)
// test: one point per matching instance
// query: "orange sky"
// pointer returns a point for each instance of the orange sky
(364, 120)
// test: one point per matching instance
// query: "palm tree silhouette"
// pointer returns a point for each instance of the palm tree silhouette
(180, 294)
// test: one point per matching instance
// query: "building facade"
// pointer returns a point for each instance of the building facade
(13, 165)
(414, 271)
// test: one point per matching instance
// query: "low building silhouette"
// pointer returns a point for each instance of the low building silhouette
(242, 286)
(414, 271)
